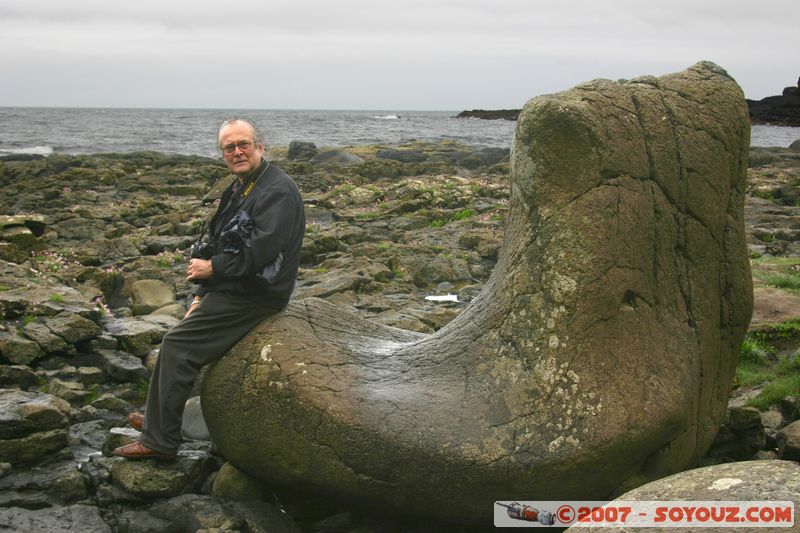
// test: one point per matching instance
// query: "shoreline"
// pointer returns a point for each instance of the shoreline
(383, 235)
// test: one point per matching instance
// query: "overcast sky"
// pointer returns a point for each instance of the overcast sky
(375, 54)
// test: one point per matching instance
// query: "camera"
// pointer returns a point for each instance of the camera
(201, 250)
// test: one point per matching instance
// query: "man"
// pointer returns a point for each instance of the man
(248, 275)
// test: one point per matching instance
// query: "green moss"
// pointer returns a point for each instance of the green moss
(56, 298)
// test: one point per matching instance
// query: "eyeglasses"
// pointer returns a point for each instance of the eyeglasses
(241, 145)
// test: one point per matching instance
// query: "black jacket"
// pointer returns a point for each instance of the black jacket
(256, 234)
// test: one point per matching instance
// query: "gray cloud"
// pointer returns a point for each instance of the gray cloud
(370, 54)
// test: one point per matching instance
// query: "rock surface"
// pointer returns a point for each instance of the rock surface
(742, 481)
(607, 335)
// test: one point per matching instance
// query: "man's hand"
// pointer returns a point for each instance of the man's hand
(199, 269)
(195, 303)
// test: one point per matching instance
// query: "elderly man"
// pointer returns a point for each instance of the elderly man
(245, 274)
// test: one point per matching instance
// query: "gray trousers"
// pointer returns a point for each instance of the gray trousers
(216, 324)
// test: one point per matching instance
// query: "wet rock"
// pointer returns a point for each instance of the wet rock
(152, 479)
(83, 518)
(195, 512)
(54, 485)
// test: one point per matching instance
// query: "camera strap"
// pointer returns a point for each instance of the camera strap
(252, 184)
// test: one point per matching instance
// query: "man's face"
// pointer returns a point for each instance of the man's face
(241, 162)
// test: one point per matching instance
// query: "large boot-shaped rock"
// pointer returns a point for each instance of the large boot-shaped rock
(598, 357)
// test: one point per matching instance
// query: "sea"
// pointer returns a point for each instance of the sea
(46, 131)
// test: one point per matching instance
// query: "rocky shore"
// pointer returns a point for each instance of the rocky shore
(777, 110)
(92, 260)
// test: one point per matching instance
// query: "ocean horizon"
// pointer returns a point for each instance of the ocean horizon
(192, 131)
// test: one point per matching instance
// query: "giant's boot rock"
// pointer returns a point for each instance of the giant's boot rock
(599, 355)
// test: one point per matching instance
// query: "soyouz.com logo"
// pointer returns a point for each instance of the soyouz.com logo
(648, 513)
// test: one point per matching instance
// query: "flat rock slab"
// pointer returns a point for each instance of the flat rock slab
(83, 518)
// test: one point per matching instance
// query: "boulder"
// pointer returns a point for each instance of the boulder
(743, 481)
(598, 357)
(301, 151)
(789, 442)
(147, 295)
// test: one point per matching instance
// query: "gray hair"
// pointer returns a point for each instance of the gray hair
(258, 137)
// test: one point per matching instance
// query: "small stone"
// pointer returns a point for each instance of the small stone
(69, 390)
(111, 402)
(193, 424)
(772, 420)
(89, 375)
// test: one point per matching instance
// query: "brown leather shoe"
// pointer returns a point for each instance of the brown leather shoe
(136, 420)
(137, 450)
